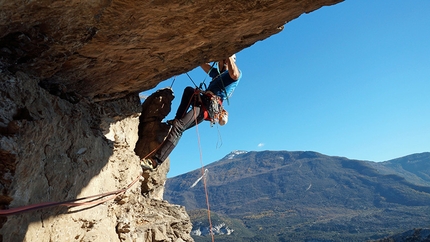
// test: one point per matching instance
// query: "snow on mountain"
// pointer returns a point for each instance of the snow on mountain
(235, 153)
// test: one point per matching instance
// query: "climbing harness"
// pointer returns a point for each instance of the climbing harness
(211, 104)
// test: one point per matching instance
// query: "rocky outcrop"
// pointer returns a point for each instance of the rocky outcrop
(70, 72)
(152, 132)
(53, 150)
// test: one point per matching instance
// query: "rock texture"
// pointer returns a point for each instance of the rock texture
(70, 72)
(53, 150)
(106, 49)
(152, 132)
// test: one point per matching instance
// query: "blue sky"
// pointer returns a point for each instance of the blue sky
(349, 80)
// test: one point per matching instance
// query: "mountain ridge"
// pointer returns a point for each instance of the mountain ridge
(280, 191)
(410, 166)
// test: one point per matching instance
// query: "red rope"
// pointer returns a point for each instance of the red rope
(96, 199)
(204, 178)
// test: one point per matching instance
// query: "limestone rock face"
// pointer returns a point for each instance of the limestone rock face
(70, 72)
(52, 150)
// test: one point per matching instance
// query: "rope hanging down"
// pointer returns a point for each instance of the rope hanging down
(204, 180)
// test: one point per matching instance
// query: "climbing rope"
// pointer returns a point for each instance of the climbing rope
(84, 201)
(191, 79)
(204, 179)
(93, 200)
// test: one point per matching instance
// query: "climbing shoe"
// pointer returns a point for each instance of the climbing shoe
(148, 164)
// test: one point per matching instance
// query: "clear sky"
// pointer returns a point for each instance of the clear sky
(349, 80)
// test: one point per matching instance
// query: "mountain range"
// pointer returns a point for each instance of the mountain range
(305, 196)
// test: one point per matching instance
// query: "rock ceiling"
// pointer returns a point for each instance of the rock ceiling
(105, 49)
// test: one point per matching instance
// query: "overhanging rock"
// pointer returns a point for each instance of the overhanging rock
(107, 49)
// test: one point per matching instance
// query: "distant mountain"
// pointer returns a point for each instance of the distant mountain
(415, 168)
(307, 196)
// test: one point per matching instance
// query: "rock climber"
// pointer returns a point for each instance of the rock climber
(225, 78)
